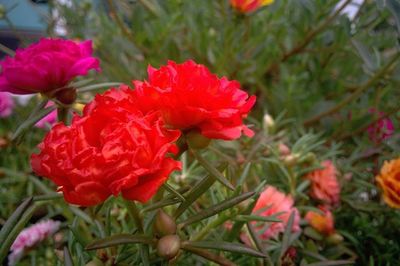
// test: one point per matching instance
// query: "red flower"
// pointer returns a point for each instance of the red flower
(47, 65)
(113, 148)
(246, 6)
(191, 98)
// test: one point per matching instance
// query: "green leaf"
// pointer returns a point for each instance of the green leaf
(99, 86)
(394, 7)
(212, 170)
(172, 190)
(19, 226)
(160, 204)
(199, 189)
(50, 196)
(286, 235)
(331, 263)
(244, 174)
(248, 218)
(210, 211)
(67, 257)
(312, 233)
(14, 218)
(33, 119)
(365, 55)
(225, 246)
(220, 260)
(118, 240)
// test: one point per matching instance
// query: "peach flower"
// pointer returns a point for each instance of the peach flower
(323, 223)
(389, 180)
(272, 201)
(324, 184)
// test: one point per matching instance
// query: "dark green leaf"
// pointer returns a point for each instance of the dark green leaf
(160, 204)
(99, 86)
(14, 218)
(394, 7)
(248, 218)
(33, 119)
(118, 240)
(331, 263)
(19, 226)
(172, 190)
(287, 233)
(212, 170)
(225, 246)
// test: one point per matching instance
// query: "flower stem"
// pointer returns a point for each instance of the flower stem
(62, 114)
(135, 213)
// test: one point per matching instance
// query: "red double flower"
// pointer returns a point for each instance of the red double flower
(114, 148)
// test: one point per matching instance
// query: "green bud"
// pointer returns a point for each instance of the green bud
(291, 160)
(164, 224)
(309, 158)
(168, 246)
(334, 239)
(197, 141)
(268, 123)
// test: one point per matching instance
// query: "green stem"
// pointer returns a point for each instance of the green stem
(62, 114)
(135, 213)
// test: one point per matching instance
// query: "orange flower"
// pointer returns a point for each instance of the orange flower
(324, 184)
(323, 223)
(389, 181)
(246, 6)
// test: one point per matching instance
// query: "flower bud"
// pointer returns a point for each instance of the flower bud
(197, 141)
(283, 149)
(309, 158)
(334, 239)
(168, 246)
(164, 224)
(268, 123)
(291, 159)
(3, 143)
(66, 96)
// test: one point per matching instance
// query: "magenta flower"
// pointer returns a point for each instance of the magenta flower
(381, 129)
(30, 237)
(6, 104)
(49, 119)
(47, 65)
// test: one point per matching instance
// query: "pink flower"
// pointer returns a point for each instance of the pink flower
(30, 237)
(324, 184)
(47, 65)
(272, 201)
(6, 104)
(49, 119)
(381, 129)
